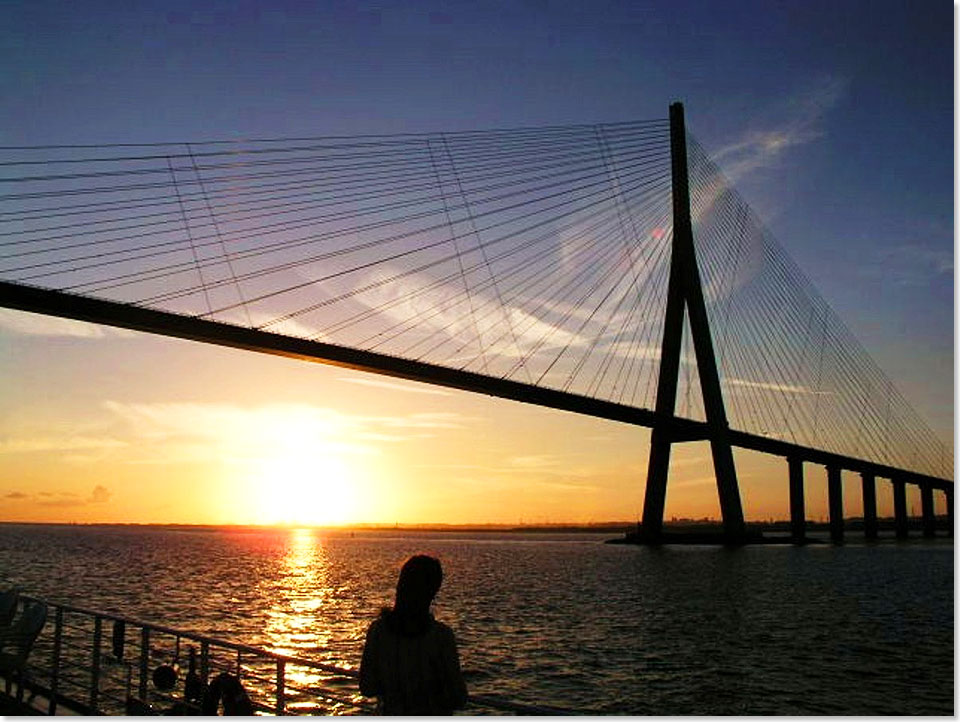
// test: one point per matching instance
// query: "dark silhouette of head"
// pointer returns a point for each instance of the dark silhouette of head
(419, 582)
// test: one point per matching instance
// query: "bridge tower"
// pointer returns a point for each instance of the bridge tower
(685, 292)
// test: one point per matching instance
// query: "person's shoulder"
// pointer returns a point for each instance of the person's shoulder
(442, 630)
(376, 626)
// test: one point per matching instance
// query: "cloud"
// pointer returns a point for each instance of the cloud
(33, 324)
(425, 309)
(415, 388)
(798, 121)
(780, 388)
(794, 122)
(536, 461)
(198, 431)
(52, 443)
(546, 470)
(62, 499)
(911, 264)
(701, 481)
(422, 420)
(99, 495)
(637, 352)
(286, 327)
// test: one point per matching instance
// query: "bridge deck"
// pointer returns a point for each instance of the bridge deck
(83, 308)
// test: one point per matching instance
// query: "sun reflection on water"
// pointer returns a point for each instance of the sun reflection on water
(295, 621)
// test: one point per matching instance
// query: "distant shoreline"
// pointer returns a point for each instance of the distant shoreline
(609, 527)
(596, 528)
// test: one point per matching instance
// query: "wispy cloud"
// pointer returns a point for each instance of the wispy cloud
(911, 264)
(535, 461)
(419, 420)
(700, 481)
(769, 386)
(57, 443)
(63, 499)
(205, 431)
(34, 324)
(548, 471)
(98, 495)
(286, 327)
(794, 123)
(411, 388)
(437, 312)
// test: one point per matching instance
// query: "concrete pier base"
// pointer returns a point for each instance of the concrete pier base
(949, 494)
(900, 507)
(869, 505)
(798, 517)
(835, 494)
(926, 503)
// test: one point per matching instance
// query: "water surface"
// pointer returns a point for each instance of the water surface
(560, 620)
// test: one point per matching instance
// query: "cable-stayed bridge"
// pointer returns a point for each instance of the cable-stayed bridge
(608, 269)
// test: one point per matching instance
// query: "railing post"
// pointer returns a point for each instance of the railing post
(144, 663)
(869, 505)
(281, 682)
(204, 661)
(900, 507)
(55, 661)
(926, 503)
(835, 498)
(95, 664)
(798, 516)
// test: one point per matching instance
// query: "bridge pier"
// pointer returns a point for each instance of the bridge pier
(798, 516)
(926, 503)
(948, 493)
(900, 507)
(835, 499)
(869, 505)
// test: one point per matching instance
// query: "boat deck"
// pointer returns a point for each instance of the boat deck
(9, 707)
(89, 662)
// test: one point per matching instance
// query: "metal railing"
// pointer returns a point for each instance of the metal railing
(73, 668)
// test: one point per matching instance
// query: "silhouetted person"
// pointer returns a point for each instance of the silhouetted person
(227, 689)
(410, 661)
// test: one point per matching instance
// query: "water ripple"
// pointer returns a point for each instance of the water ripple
(547, 619)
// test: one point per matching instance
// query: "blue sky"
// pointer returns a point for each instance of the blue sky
(833, 118)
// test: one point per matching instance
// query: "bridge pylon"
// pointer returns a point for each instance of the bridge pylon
(685, 293)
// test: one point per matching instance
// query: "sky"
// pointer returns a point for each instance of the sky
(833, 119)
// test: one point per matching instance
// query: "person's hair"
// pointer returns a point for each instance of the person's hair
(419, 582)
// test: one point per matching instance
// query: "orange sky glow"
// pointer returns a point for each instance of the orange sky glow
(102, 425)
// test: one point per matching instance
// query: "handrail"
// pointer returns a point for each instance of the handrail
(198, 637)
(279, 659)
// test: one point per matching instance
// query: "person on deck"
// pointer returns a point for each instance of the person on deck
(410, 660)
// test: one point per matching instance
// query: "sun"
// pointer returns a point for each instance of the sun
(296, 464)
(309, 487)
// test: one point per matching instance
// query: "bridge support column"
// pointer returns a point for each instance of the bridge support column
(900, 507)
(685, 294)
(798, 515)
(926, 502)
(869, 505)
(655, 496)
(948, 493)
(835, 496)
